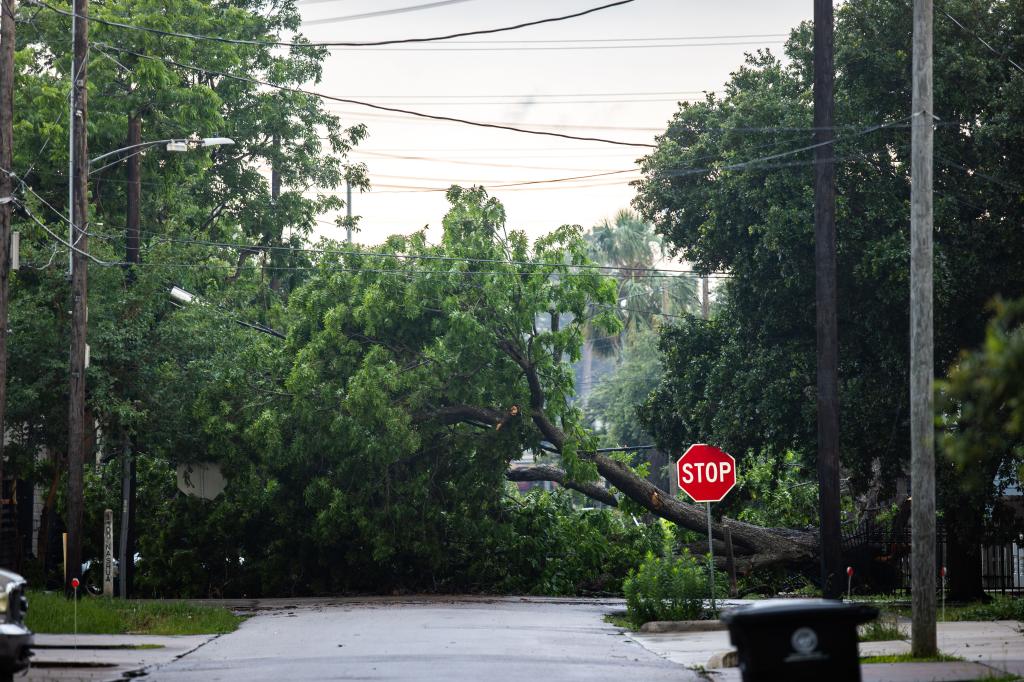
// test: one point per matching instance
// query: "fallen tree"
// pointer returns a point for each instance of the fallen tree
(440, 356)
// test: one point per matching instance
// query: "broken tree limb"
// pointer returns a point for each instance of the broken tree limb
(765, 546)
(545, 472)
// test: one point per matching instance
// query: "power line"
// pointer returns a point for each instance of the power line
(534, 95)
(983, 41)
(379, 13)
(617, 40)
(633, 272)
(409, 112)
(553, 47)
(280, 43)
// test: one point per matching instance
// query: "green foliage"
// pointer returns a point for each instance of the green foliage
(775, 492)
(51, 612)
(344, 472)
(546, 546)
(612, 405)
(885, 628)
(983, 406)
(999, 608)
(668, 588)
(745, 380)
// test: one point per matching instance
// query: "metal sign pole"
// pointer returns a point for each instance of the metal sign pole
(711, 560)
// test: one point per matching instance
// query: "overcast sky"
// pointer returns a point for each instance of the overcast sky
(528, 78)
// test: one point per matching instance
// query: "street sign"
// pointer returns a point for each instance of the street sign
(706, 473)
(201, 479)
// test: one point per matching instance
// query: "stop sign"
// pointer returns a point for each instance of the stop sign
(706, 473)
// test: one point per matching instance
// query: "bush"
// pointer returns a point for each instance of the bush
(543, 545)
(667, 589)
(1000, 608)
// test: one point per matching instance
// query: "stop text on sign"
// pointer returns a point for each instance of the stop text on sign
(706, 473)
(699, 472)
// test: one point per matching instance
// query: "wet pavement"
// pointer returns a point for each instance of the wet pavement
(456, 639)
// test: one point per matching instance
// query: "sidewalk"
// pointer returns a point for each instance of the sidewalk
(988, 649)
(94, 658)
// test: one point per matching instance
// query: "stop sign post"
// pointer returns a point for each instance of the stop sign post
(707, 474)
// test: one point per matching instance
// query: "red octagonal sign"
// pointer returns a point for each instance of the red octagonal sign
(706, 473)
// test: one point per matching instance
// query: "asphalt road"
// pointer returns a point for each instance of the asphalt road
(458, 639)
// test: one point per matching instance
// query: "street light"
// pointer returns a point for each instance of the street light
(181, 297)
(172, 145)
(132, 257)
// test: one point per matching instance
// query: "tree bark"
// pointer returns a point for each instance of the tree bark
(544, 472)
(6, 200)
(825, 298)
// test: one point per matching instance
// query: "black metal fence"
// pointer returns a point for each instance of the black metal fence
(881, 559)
(1001, 568)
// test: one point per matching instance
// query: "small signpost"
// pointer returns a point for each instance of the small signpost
(108, 553)
(707, 474)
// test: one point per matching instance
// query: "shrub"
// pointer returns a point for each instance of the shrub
(544, 545)
(667, 589)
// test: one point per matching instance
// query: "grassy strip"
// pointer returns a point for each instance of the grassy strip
(910, 658)
(50, 612)
(884, 629)
(999, 608)
(619, 619)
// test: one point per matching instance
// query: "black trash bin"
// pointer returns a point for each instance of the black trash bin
(798, 639)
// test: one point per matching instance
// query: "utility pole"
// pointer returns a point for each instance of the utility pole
(922, 364)
(825, 298)
(126, 546)
(6, 191)
(705, 302)
(79, 295)
(348, 208)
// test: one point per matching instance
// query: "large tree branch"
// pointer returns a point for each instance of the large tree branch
(545, 472)
(455, 414)
(767, 546)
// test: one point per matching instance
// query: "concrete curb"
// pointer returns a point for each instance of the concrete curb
(724, 659)
(662, 626)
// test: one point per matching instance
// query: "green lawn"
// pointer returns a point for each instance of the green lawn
(50, 612)
(909, 658)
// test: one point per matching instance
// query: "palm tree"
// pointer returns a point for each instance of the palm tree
(633, 248)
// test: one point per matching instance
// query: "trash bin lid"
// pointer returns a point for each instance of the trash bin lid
(780, 610)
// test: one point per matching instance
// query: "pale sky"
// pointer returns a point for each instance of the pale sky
(604, 90)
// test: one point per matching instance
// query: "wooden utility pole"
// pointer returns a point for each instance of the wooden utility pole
(705, 303)
(6, 192)
(126, 544)
(79, 295)
(825, 298)
(134, 191)
(922, 365)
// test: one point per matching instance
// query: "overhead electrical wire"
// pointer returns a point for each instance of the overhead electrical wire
(632, 272)
(644, 46)
(282, 43)
(344, 100)
(379, 13)
(983, 41)
(641, 39)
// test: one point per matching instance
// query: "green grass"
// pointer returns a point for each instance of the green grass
(619, 619)
(50, 612)
(883, 629)
(909, 658)
(1000, 608)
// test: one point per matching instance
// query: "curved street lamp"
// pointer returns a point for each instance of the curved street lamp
(173, 145)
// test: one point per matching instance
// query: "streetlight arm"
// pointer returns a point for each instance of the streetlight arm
(193, 142)
(134, 146)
